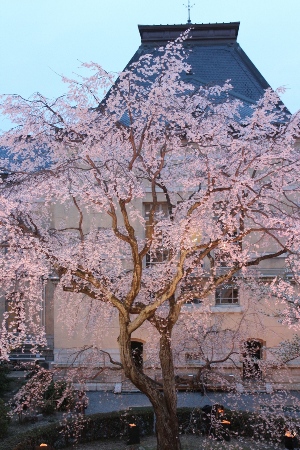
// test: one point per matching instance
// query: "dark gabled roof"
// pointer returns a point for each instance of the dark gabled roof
(5, 162)
(215, 56)
(10, 162)
(199, 32)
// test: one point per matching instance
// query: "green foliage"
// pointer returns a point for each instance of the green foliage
(113, 425)
(58, 397)
(93, 427)
(4, 380)
(4, 419)
(262, 427)
(30, 439)
(190, 422)
(42, 394)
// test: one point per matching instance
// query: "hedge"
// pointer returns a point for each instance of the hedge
(259, 426)
(84, 429)
(4, 380)
(114, 426)
(4, 419)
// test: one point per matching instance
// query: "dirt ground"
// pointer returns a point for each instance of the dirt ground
(188, 443)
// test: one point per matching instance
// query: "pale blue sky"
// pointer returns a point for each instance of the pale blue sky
(41, 37)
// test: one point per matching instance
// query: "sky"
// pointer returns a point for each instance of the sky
(40, 39)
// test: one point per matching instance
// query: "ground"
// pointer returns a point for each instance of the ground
(188, 443)
(107, 401)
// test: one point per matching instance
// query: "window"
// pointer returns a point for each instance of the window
(222, 258)
(227, 294)
(3, 248)
(191, 292)
(227, 258)
(160, 253)
(194, 301)
(252, 355)
(137, 353)
(14, 307)
(193, 358)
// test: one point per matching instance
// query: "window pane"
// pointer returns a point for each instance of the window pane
(227, 294)
(160, 254)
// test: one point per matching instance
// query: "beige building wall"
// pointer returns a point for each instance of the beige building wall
(262, 323)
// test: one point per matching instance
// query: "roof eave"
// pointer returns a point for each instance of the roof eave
(198, 32)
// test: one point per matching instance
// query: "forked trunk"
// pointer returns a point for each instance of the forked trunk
(164, 402)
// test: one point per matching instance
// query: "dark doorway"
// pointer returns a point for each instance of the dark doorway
(137, 353)
(252, 355)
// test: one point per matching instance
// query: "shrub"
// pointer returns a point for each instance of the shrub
(95, 427)
(4, 380)
(4, 419)
(42, 393)
(190, 421)
(115, 425)
(58, 397)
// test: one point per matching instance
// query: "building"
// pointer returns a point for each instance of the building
(215, 57)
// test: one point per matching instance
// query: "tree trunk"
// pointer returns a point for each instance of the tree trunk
(167, 430)
(164, 403)
(166, 427)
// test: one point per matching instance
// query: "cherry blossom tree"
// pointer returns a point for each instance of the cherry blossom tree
(227, 173)
(206, 340)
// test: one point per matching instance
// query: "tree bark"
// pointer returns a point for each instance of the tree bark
(167, 430)
(164, 402)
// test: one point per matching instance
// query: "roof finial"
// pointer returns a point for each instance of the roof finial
(189, 6)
